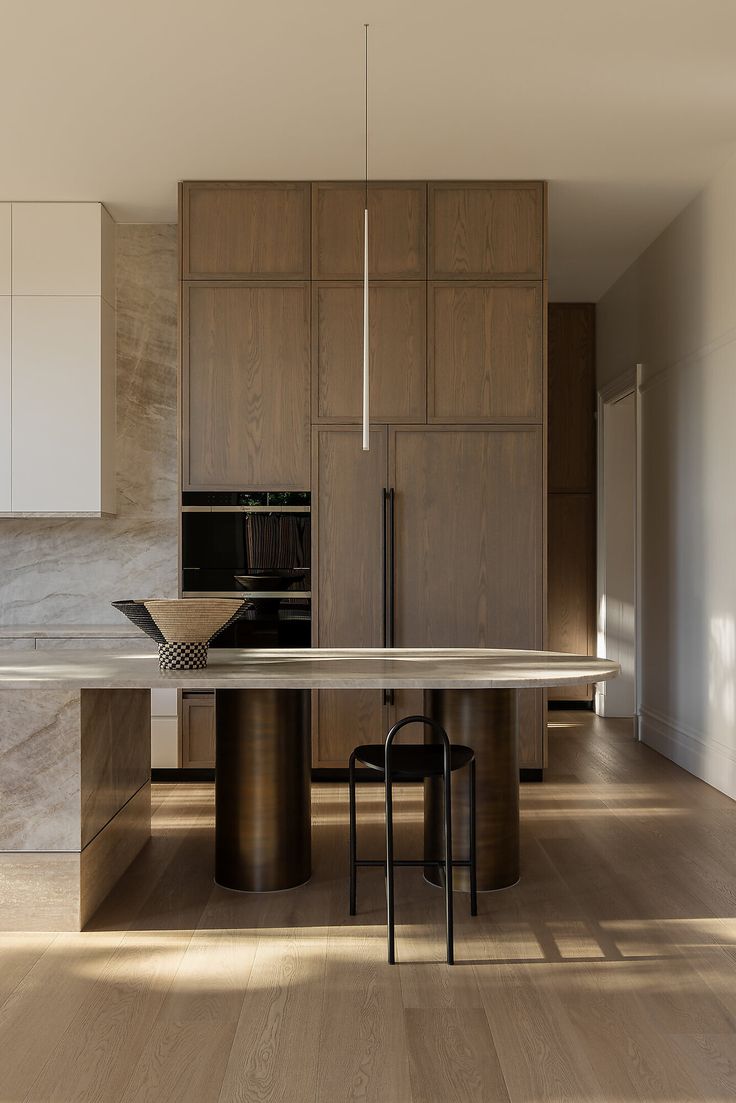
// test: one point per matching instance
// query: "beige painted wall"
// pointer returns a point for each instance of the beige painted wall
(674, 311)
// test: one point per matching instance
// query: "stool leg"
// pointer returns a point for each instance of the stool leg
(448, 864)
(390, 870)
(353, 836)
(471, 810)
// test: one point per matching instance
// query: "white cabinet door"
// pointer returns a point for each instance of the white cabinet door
(5, 395)
(56, 424)
(5, 250)
(62, 249)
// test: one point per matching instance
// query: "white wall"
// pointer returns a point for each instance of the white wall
(674, 311)
(617, 560)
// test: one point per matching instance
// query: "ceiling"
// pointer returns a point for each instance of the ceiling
(626, 107)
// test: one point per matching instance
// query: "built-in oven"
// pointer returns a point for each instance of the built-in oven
(255, 545)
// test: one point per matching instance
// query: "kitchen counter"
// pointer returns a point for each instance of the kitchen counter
(75, 746)
(315, 668)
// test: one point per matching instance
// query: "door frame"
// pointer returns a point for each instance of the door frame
(627, 383)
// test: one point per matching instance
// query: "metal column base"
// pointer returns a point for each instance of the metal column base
(262, 789)
(487, 721)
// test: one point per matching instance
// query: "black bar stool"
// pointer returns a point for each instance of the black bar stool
(415, 762)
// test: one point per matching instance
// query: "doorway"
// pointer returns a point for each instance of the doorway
(617, 549)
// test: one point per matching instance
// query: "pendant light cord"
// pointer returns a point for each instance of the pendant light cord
(366, 25)
(366, 357)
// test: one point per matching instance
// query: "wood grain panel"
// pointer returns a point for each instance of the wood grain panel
(106, 858)
(572, 397)
(242, 230)
(485, 352)
(397, 313)
(348, 605)
(397, 216)
(115, 753)
(482, 230)
(468, 546)
(469, 543)
(246, 386)
(343, 719)
(198, 730)
(571, 582)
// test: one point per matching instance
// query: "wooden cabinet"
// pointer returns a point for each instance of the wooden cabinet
(571, 600)
(572, 398)
(571, 546)
(347, 581)
(198, 730)
(245, 230)
(482, 230)
(272, 398)
(469, 548)
(485, 352)
(246, 386)
(469, 558)
(469, 536)
(397, 220)
(397, 313)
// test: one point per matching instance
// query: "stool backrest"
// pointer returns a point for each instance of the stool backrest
(428, 722)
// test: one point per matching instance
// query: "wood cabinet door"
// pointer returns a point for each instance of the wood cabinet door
(485, 352)
(397, 220)
(246, 384)
(571, 596)
(482, 230)
(245, 230)
(198, 730)
(571, 442)
(347, 584)
(469, 545)
(398, 361)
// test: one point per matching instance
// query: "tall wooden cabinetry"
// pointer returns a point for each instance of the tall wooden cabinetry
(272, 343)
(572, 482)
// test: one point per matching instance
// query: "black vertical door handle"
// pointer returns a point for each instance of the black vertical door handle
(384, 580)
(391, 575)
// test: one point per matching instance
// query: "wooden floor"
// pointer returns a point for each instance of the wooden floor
(608, 973)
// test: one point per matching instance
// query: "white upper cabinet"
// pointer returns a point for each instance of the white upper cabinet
(5, 250)
(58, 396)
(57, 359)
(5, 392)
(63, 249)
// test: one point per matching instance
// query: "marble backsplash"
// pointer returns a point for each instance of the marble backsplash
(68, 571)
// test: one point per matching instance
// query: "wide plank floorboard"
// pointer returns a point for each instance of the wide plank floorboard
(607, 975)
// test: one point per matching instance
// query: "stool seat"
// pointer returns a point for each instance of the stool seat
(413, 761)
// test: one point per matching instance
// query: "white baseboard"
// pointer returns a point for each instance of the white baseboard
(705, 757)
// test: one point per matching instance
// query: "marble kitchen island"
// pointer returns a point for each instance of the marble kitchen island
(75, 754)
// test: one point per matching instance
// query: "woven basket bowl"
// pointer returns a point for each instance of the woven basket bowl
(183, 628)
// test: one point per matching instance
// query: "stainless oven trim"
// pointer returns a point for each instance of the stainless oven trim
(246, 509)
(248, 595)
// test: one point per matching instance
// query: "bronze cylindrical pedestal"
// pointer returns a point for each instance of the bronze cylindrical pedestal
(262, 789)
(486, 720)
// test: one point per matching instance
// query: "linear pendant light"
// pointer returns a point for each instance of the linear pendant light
(366, 368)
